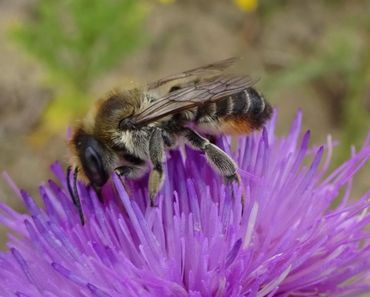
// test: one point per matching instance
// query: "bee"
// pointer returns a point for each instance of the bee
(129, 131)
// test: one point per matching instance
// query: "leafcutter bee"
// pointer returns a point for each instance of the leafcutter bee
(129, 131)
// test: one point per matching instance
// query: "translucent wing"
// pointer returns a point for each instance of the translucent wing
(199, 93)
(193, 74)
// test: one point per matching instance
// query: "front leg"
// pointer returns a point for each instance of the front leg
(217, 158)
(156, 153)
(129, 172)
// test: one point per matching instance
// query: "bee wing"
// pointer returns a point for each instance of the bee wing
(203, 92)
(193, 74)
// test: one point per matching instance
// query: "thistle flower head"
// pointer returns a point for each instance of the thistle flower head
(201, 240)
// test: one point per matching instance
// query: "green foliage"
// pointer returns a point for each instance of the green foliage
(336, 55)
(343, 51)
(78, 40)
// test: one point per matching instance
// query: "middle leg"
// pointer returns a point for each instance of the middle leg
(156, 153)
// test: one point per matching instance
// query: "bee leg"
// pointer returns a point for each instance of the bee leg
(126, 171)
(156, 149)
(217, 158)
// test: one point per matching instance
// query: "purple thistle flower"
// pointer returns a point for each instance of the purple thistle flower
(200, 241)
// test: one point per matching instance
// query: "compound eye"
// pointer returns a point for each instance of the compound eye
(91, 155)
(94, 164)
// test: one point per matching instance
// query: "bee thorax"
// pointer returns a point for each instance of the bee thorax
(135, 142)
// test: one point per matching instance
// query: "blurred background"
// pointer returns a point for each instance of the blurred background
(57, 57)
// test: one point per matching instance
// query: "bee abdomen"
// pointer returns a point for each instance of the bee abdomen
(252, 106)
(239, 113)
(247, 105)
(246, 102)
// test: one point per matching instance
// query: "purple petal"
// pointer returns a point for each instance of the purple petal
(284, 240)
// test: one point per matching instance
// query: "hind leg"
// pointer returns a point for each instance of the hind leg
(216, 157)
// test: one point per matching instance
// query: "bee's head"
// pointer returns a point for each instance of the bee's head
(92, 156)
